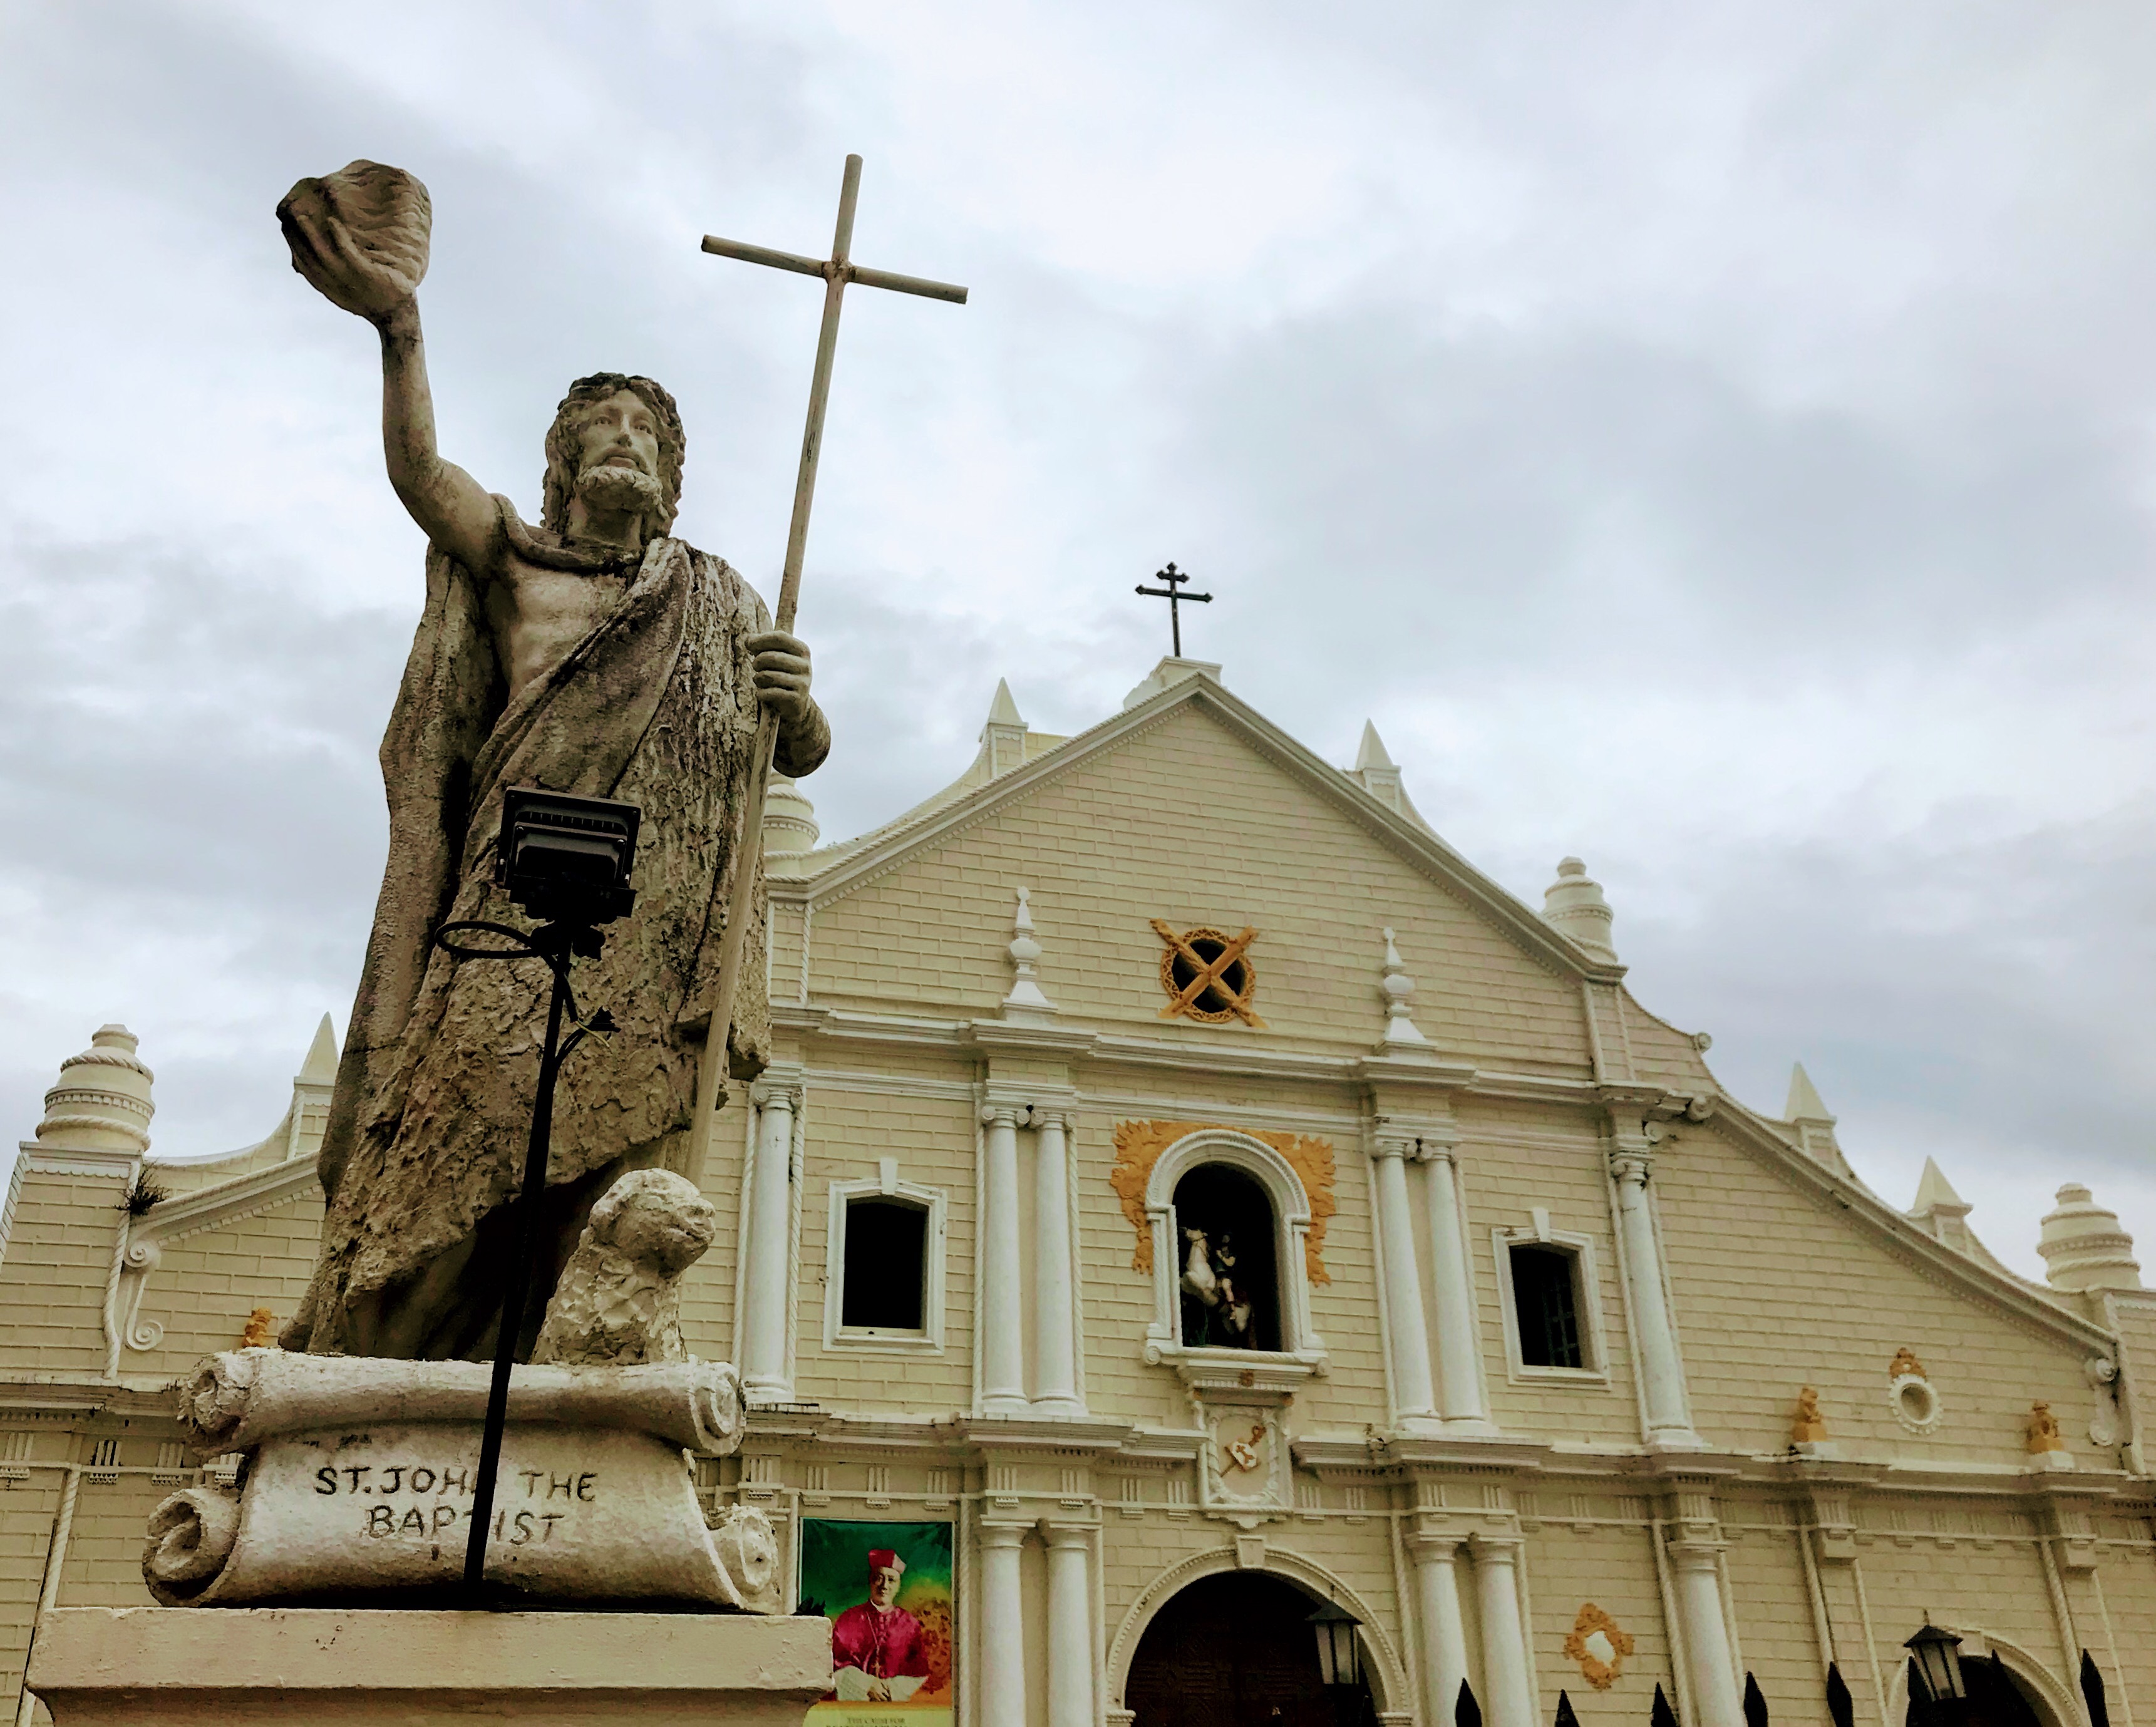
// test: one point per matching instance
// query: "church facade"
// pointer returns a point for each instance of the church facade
(1195, 1189)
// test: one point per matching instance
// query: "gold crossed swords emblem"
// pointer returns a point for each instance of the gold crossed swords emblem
(1207, 993)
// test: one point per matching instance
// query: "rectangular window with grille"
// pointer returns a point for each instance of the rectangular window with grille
(1546, 1303)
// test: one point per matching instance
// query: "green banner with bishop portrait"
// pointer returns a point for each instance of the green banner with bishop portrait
(887, 1590)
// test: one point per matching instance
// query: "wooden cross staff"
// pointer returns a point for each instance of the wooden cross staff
(836, 270)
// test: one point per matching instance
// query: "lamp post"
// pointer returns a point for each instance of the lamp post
(565, 861)
(1340, 1660)
(1935, 1673)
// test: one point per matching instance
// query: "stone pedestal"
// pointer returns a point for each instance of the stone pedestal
(146, 1667)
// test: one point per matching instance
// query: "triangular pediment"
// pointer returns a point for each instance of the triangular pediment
(1194, 810)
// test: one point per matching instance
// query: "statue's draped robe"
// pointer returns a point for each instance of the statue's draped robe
(432, 1106)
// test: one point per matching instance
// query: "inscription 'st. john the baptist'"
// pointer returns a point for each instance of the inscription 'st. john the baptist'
(592, 653)
(417, 1500)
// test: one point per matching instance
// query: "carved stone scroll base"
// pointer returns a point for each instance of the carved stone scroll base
(357, 1487)
(582, 1515)
(101, 1667)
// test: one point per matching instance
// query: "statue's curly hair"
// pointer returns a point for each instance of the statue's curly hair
(561, 481)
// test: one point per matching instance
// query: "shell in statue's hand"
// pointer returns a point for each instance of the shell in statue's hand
(360, 235)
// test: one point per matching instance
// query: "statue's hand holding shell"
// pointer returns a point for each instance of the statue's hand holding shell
(360, 236)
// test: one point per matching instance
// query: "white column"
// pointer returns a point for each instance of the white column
(1002, 1626)
(1707, 1662)
(1510, 1703)
(1055, 1312)
(1069, 1628)
(1002, 1306)
(1661, 1369)
(1459, 1348)
(1412, 1397)
(1444, 1631)
(770, 1244)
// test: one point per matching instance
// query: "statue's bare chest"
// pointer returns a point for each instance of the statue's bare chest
(537, 615)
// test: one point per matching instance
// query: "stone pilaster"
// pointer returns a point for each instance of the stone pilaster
(1002, 1346)
(1414, 1407)
(767, 1282)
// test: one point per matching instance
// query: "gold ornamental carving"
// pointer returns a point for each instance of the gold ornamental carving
(1209, 975)
(1138, 1147)
(1597, 1643)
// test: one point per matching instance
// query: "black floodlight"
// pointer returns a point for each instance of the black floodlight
(566, 859)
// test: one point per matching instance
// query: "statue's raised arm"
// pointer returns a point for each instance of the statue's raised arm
(360, 236)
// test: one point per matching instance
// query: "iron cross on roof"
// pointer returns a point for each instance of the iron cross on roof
(1173, 594)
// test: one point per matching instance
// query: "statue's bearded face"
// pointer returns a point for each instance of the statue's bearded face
(618, 455)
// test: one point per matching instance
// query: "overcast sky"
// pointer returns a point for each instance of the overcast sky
(1715, 441)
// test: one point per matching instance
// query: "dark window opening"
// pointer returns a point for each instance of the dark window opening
(886, 1268)
(1547, 1302)
(1225, 1269)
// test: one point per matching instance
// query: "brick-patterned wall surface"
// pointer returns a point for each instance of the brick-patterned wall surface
(27, 1510)
(1317, 886)
(1778, 1642)
(1774, 1290)
(205, 1286)
(53, 1274)
(1595, 1547)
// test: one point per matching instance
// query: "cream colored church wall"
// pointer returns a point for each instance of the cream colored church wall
(1117, 1297)
(1120, 839)
(205, 1286)
(2123, 1592)
(1509, 1165)
(1995, 1583)
(844, 1133)
(27, 1510)
(1777, 1640)
(105, 1559)
(1773, 1290)
(1571, 1561)
(54, 1269)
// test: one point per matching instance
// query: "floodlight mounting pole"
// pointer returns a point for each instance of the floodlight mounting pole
(836, 271)
(554, 943)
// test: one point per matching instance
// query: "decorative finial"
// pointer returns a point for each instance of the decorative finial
(789, 820)
(1397, 989)
(1375, 771)
(2083, 1246)
(1026, 1000)
(101, 1100)
(1003, 736)
(1573, 903)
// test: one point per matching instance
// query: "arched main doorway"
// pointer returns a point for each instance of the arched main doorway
(1234, 1650)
